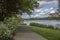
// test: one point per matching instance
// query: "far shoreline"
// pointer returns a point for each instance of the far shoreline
(43, 19)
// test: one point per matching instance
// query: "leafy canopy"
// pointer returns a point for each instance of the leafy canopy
(9, 8)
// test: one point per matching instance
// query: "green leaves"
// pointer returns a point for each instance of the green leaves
(9, 8)
(8, 27)
(27, 5)
(58, 8)
(5, 33)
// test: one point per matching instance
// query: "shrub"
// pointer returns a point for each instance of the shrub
(34, 24)
(37, 24)
(50, 26)
(8, 28)
(58, 28)
(41, 25)
(6, 33)
(23, 24)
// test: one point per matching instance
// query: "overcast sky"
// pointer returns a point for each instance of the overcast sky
(45, 6)
(44, 2)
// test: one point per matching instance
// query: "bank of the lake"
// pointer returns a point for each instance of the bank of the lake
(50, 34)
(55, 23)
(47, 18)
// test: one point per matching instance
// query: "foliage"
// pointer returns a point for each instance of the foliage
(41, 25)
(14, 20)
(8, 28)
(23, 24)
(8, 11)
(50, 34)
(58, 8)
(6, 32)
(27, 5)
(44, 26)
(47, 18)
(58, 5)
(9, 8)
(50, 26)
(37, 24)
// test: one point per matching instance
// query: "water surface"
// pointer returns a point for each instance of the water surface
(55, 23)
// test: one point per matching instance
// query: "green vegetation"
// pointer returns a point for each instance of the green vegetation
(9, 16)
(48, 18)
(23, 24)
(6, 31)
(58, 8)
(9, 8)
(41, 25)
(8, 28)
(46, 31)
(50, 34)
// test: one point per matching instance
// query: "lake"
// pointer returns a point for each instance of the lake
(55, 23)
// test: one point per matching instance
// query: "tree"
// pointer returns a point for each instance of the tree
(59, 8)
(9, 8)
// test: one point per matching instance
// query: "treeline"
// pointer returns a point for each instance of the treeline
(48, 18)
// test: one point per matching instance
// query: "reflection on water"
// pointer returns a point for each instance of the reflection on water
(47, 22)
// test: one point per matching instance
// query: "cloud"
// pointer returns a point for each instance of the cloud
(51, 8)
(47, 2)
(53, 11)
(25, 15)
(45, 8)
(38, 10)
(43, 12)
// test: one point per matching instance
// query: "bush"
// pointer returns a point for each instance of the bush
(8, 28)
(34, 24)
(6, 33)
(23, 24)
(41, 25)
(58, 28)
(37, 24)
(50, 26)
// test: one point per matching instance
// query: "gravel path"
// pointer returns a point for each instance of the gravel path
(24, 33)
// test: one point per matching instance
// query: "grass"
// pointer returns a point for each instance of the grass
(50, 34)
